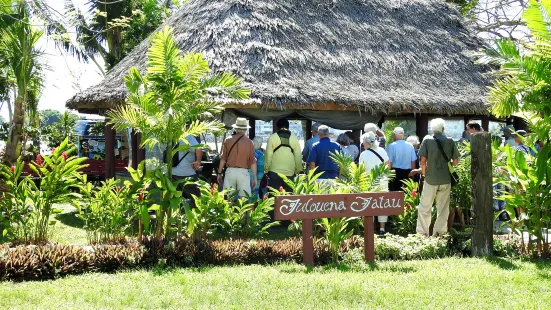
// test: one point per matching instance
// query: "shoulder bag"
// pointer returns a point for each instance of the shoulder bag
(453, 175)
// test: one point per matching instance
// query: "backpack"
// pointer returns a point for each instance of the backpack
(176, 160)
(284, 136)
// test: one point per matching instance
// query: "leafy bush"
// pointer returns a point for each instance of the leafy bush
(25, 208)
(111, 210)
(528, 192)
(406, 223)
(44, 262)
(249, 219)
(410, 247)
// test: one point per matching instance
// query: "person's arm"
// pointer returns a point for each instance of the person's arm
(390, 154)
(296, 153)
(306, 150)
(312, 158)
(219, 171)
(255, 178)
(198, 155)
(423, 164)
(455, 155)
(268, 156)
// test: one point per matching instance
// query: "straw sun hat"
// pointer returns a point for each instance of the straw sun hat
(241, 123)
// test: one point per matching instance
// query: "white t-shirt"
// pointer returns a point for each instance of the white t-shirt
(371, 161)
(185, 168)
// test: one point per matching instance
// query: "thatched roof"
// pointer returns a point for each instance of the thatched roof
(384, 56)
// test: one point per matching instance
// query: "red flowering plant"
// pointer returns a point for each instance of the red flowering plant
(406, 223)
(26, 207)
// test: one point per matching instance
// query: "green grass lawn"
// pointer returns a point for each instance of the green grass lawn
(446, 283)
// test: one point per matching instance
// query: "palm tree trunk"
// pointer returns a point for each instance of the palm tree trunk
(13, 146)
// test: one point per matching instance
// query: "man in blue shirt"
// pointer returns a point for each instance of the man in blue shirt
(320, 155)
(310, 142)
(402, 158)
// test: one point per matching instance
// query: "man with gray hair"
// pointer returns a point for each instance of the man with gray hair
(437, 153)
(310, 142)
(320, 155)
(402, 159)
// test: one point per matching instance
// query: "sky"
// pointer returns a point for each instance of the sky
(63, 72)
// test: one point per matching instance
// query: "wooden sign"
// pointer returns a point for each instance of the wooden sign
(309, 207)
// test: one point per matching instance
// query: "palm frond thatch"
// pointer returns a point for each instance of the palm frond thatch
(383, 56)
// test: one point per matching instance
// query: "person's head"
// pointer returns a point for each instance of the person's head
(473, 127)
(257, 141)
(343, 140)
(350, 136)
(437, 125)
(369, 141)
(518, 135)
(241, 125)
(282, 123)
(508, 131)
(398, 133)
(323, 131)
(413, 140)
(315, 127)
(371, 127)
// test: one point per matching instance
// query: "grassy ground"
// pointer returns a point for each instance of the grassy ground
(446, 283)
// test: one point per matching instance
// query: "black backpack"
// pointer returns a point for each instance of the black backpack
(176, 160)
(284, 136)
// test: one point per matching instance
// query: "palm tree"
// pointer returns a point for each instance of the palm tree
(103, 29)
(18, 40)
(523, 84)
(173, 100)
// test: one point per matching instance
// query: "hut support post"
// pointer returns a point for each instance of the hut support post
(485, 123)
(109, 133)
(422, 125)
(252, 130)
(357, 133)
(482, 201)
(274, 126)
(134, 155)
(308, 130)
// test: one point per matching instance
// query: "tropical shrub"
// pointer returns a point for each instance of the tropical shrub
(25, 208)
(247, 219)
(336, 231)
(461, 197)
(527, 194)
(172, 101)
(406, 223)
(209, 213)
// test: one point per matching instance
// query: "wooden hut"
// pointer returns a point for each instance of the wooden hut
(343, 63)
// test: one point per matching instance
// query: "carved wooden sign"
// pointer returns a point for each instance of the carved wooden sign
(309, 207)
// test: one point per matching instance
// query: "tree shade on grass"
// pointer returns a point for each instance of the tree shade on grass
(446, 283)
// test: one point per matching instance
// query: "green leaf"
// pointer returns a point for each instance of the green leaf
(154, 207)
(56, 211)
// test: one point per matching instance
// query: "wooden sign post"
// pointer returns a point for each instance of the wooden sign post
(309, 207)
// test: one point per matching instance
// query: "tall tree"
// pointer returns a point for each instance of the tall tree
(18, 40)
(111, 28)
(523, 83)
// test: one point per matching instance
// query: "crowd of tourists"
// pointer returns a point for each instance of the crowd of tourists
(248, 169)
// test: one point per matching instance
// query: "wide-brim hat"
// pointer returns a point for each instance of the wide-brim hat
(241, 123)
